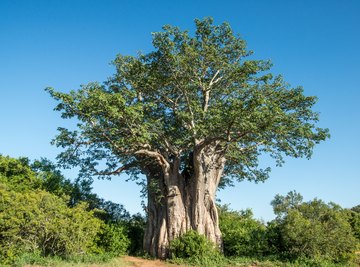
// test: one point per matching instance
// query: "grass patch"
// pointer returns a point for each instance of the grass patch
(261, 262)
(103, 260)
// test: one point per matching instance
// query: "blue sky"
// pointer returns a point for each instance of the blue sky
(67, 43)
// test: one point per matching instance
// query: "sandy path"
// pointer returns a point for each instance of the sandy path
(140, 262)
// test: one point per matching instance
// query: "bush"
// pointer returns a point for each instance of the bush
(15, 174)
(39, 222)
(325, 235)
(195, 249)
(242, 234)
(312, 230)
(43, 214)
(113, 239)
(136, 227)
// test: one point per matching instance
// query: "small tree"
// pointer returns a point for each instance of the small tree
(313, 229)
(188, 114)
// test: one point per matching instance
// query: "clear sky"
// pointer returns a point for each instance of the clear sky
(67, 43)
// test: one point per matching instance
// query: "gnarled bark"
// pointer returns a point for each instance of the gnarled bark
(183, 201)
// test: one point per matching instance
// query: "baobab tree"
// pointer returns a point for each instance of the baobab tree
(192, 114)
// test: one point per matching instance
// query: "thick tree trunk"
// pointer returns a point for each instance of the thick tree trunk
(179, 202)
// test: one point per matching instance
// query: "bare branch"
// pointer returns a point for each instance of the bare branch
(206, 91)
(118, 170)
(139, 96)
(213, 81)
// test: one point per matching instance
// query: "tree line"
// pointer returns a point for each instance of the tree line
(43, 214)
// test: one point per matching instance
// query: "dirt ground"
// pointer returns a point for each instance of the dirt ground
(140, 262)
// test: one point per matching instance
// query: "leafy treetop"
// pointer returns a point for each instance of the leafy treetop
(190, 92)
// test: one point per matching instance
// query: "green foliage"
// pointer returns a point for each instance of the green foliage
(274, 239)
(36, 259)
(242, 234)
(195, 248)
(353, 218)
(193, 90)
(22, 175)
(29, 258)
(135, 229)
(43, 214)
(37, 221)
(113, 239)
(282, 204)
(52, 179)
(312, 230)
(191, 244)
(356, 208)
(35, 224)
(16, 174)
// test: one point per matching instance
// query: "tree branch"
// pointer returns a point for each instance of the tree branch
(213, 81)
(208, 141)
(192, 122)
(155, 155)
(170, 147)
(252, 147)
(206, 91)
(206, 100)
(106, 137)
(118, 170)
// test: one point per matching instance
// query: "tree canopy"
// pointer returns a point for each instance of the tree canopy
(191, 91)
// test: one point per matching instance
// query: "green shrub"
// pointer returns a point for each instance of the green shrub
(195, 249)
(43, 215)
(39, 222)
(136, 227)
(274, 243)
(325, 235)
(113, 239)
(242, 234)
